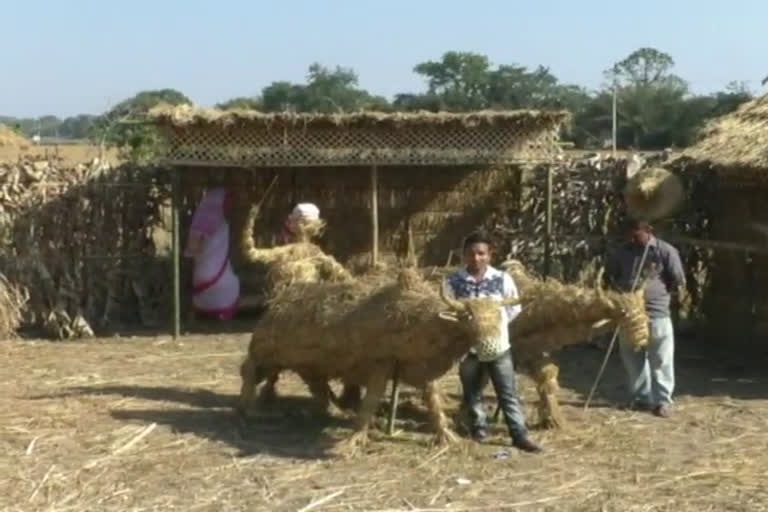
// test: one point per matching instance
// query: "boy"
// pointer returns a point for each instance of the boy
(479, 279)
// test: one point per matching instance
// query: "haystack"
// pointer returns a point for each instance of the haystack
(653, 194)
(9, 138)
(555, 315)
(356, 331)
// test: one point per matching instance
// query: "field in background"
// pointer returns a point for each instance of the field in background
(71, 154)
(146, 424)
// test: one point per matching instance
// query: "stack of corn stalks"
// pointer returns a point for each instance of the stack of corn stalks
(80, 240)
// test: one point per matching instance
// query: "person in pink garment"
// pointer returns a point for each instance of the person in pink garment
(216, 288)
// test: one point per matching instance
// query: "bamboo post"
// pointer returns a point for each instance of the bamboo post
(393, 399)
(548, 227)
(374, 215)
(176, 254)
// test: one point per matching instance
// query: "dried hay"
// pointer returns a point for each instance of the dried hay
(188, 115)
(9, 138)
(356, 331)
(95, 426)
(13, 300)
(653, 194)
(556, 315)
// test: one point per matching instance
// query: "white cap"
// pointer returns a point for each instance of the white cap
(306, 211)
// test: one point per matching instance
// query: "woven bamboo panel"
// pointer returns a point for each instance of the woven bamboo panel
(291, 147)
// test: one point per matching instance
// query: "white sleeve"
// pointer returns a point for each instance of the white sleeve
(448, 289)
(510, 291)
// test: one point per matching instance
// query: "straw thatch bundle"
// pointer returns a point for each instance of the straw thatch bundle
(188, 115)
(12, 302)
(356, 331)
(653, 194)
(556, 315)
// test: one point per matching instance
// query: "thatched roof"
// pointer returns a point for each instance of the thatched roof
(738, 140)
(188, 115)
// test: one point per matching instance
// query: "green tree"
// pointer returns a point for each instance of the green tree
(241, 103)
(650, 97)
(137, 142)
(460, 79)
(327, 90)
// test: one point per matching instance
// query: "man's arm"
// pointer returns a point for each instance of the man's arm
(673, 270)
(510, 292)
(612, 269)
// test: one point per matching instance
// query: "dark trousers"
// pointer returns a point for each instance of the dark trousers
(473, 373)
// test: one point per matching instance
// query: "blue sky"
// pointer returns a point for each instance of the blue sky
(81, 56)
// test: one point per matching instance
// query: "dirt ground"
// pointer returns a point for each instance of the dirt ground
(135, 424)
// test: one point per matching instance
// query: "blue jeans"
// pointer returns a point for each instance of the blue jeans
(651, 371)
(473, 373)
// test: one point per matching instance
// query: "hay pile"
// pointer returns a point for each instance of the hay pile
(356, 331)
(653, 194)
(79, 239)
(555, 315)
(9, 138)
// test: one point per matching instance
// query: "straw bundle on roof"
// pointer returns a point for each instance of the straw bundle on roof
(555, 315)
(653, 194)
(188, 115)
(738, 140)
(356, 331)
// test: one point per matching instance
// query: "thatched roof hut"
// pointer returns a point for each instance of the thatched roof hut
(730, 165)
(734, 144)
(199, 136)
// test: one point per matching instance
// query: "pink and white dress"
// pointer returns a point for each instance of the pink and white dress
(216, 288)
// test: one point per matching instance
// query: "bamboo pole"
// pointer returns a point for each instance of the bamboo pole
(548, 234)
(374, 215)
(176, 254)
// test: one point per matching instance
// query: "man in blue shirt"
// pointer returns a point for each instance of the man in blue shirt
(479, 279)
(650, 372)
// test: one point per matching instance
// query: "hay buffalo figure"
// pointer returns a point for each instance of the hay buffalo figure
(356, 332)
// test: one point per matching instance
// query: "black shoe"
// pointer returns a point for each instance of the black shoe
(480, 434)
(526, 445)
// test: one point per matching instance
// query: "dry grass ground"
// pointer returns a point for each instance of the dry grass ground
(146, 424)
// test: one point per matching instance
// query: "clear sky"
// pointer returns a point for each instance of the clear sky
(65, 57)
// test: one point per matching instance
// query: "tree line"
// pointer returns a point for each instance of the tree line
(655, 106)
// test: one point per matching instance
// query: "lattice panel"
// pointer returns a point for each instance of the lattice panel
(426, 145)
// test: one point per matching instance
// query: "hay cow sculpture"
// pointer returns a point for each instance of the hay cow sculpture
(555, 315)
(357, 331)
(294, 263)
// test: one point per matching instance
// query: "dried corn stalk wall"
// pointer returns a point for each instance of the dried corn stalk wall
(587, 210)
(81, 241)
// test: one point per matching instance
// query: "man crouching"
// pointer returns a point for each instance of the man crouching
(479, 279)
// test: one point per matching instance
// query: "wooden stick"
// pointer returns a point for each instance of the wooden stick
(374, 215)
(394, 398)
(176, 255)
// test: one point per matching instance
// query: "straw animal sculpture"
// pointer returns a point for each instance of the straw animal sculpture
(555, 315)
(653, 194)
(289, 265)
(357, 331)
